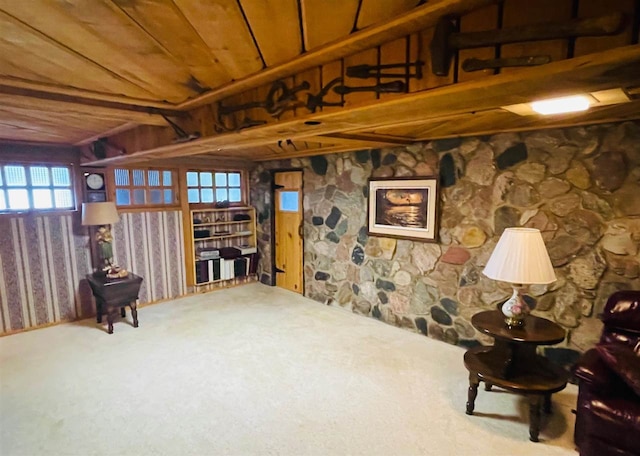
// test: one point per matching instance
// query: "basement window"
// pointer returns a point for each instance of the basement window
(145, 187)
(214, 186)
(36, 187)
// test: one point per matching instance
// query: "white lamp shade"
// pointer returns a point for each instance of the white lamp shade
(520, 257)
(99, 213)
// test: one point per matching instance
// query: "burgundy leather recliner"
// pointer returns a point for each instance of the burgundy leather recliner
(608, 411)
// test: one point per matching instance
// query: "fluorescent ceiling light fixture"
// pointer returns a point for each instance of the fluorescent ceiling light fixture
(561, 105)
(590, 100)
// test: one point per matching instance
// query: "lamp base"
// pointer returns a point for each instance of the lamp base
(515, 309)
(514, 322)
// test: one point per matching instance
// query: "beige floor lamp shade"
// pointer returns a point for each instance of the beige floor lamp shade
(520, 258)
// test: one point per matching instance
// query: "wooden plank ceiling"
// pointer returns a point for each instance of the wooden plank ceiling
(72, 71)
(162, 51)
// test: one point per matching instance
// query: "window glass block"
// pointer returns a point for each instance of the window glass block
(154, 178)
(138, 178)
(193, 195)
(168, 197)
(3, 201)
(192, 179)
(221, 194)
(42, 198)
(123, 197)
(40, 177)
(206, 180)
(1, 176)
(63, 198)
(207, 195)
(18, 198)
(235, 195)
(61, 176)
(289, 201)
(234, 179)
(221, 179)
(122, 177)
(16, 177)
(155, 196)
(138, 196)
(166, 178)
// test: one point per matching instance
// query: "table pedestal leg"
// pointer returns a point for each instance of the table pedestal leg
(487, 386)
(547, 404)
(474, 381)
(534, 417)
(134, 313)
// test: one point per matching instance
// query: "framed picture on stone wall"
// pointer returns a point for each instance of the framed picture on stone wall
(404, 208)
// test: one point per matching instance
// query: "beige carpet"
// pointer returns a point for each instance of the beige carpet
(254, 370)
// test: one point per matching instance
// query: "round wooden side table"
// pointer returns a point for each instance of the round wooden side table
(512, 363)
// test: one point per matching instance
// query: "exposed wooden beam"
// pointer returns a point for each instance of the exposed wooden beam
(120, 106)
(201, 161)
(599, 71)
(413, 21)
(363, 138)
(79, 108)
(119, 129)
(30, 151)
(10, 83)
(331, 149)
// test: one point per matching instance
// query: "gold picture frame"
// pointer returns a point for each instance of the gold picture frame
(403, 208)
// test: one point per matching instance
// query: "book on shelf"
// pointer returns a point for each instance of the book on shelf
(207, 253)
(245, 249)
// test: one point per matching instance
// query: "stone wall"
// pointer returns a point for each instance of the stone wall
(579, 186)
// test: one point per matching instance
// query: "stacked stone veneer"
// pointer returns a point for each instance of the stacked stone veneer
(579, 186)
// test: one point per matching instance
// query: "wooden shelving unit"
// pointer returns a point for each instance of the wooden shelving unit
(230, 231)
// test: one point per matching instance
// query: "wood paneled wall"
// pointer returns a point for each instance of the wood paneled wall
(44, 259)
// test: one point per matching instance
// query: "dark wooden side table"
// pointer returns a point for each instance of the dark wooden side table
(512, 363)
(114, 294)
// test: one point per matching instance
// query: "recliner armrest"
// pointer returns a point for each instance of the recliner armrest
(594, 374)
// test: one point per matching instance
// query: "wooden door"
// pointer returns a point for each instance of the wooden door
(288, 230)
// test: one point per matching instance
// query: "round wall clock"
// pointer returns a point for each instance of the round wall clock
(95, 181)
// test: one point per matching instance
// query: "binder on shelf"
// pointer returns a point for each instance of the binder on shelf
(202, 272)
(216, 269)
(241, 266)
(227, 269)
(253, 263)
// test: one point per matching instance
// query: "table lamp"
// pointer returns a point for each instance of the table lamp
(101, 215)
(520, 258)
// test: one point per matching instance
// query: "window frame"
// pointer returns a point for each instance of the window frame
(72, 187)
(244, 192)
(175, 187)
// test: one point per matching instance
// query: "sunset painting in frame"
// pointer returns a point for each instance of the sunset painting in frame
(403, 208)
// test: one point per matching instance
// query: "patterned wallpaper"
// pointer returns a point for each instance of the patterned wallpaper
(44, 259)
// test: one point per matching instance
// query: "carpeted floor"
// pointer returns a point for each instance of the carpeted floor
(254, 370)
